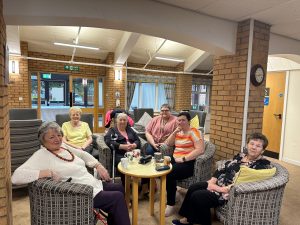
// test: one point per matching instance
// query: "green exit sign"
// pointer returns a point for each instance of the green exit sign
(71, 68)
(46, 75)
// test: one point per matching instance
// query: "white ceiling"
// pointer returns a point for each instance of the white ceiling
(282, 15)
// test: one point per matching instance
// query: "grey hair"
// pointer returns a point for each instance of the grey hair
(122, 115)
(45, 127)
(165, 105)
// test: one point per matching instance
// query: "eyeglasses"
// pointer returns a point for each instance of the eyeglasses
(164, 110)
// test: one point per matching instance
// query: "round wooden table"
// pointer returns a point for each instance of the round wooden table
(137, 171)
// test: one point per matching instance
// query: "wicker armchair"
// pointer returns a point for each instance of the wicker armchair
(105, 154)
(60, 203)
(202, 168)
(255, 203)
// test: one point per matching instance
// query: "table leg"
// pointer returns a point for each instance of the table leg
(162, 199)
(135, 198)
(151, 197)
(127, 190)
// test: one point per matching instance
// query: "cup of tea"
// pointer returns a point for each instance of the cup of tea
(157, 157)
(124, 162)
(136, 153)
(129, 155)
(167, 160)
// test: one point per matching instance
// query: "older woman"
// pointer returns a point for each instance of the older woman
(188, 146)
(205, 195)
(126, 139)
(77, 133)
(61, 162)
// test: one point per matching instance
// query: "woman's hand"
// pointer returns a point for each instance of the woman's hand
(178, 160)
(103, 173)
(49, 173)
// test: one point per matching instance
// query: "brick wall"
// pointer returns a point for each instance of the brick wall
(18, 84)
(228, 91)
(5, 173)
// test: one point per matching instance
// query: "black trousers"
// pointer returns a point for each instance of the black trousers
(179, 171)
(197, 203)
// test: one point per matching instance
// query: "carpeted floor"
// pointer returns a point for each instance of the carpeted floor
(289, 211)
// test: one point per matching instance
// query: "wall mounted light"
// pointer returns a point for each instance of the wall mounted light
(84, 82)
(14, 67)
(118, 73)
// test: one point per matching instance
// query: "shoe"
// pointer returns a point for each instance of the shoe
(170, 210)
(177, 222)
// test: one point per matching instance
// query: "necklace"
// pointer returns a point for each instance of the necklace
(62, 158)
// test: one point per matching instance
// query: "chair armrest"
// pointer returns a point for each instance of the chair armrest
(105, 155)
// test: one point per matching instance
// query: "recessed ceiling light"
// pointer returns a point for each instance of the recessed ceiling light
(75, 46)
(169, 59)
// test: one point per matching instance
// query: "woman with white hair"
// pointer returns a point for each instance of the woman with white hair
(126, 139)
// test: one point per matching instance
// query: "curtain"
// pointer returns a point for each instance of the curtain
(170, 92)
(130, 92)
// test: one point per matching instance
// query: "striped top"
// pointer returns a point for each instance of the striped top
(184, 142)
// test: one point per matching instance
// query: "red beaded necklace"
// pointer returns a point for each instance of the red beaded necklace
(62, 158)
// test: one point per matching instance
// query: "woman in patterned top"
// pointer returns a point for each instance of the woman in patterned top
(188, 146)
(205, 195)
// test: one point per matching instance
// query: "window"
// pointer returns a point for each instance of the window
(148, 95)
(200, 97)
(150, 91)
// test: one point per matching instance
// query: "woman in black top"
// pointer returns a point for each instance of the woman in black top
(202, 196)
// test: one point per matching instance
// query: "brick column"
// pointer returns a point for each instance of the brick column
(5, 173)
(113, 85)
(18, 90)
(229, 88)
(183, 89)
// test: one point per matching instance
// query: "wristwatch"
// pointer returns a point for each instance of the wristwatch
(183, 159)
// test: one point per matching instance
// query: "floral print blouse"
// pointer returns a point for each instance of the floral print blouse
(226, 174)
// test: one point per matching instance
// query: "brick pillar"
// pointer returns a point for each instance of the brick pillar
(19, 94)
(5, 173)
(229, 88)
(183, 89)
(113, 85)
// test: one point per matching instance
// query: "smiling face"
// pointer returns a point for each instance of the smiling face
(165, 112)
(75, 116)
(255, 148)
(122, 121)
(52, 140)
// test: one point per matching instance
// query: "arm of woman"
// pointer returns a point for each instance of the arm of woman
(171, 139)
(34, 168)
(88, 142)
(136, 139)
(89, 134)
(212, 186)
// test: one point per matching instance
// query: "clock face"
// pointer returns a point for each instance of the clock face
(259, 75)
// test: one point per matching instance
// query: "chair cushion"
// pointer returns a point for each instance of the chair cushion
(195, 122)
(247, 174)
(144, 120)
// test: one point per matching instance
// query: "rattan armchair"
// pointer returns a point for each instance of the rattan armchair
(202, 168)
(105, 154)
(60, 203)
(255, 203)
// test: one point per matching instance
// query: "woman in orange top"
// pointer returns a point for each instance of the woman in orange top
(188, 146)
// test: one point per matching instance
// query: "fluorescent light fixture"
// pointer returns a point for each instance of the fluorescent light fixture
(169, 59)
(75, 46)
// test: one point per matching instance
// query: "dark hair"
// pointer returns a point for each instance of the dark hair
(186, 114)
(45, 127)
(258, 136)
(165, 105)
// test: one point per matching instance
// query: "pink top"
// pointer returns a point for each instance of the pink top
(159, 132)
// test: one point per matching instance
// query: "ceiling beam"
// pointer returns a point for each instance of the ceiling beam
(195, 59)
(125, 47)
(13, 39)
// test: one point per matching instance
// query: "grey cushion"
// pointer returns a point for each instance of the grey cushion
(22, 114)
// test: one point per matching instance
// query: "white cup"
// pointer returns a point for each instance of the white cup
(136, 153)
(124, 163)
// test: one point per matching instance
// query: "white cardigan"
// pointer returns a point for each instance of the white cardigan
(43, 160)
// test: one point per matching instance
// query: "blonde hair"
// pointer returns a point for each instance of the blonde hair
(75, 109)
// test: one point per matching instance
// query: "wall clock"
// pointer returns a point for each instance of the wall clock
(257, 75)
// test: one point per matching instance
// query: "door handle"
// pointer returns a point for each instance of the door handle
(279, 116)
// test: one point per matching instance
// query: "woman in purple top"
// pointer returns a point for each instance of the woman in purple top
(159, 129)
